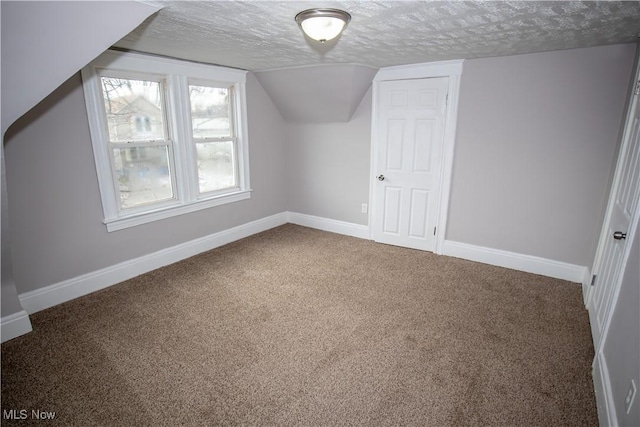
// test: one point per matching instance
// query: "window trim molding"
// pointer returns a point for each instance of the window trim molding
(174, 210)
(176, 72)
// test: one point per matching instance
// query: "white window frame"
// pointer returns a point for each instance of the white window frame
(177, 76)
(167, 141)
(233, 124)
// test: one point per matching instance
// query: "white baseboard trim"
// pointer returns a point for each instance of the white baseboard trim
(67, 290)
(516, 261)
(332, 225)
(604, 396)
(14, 325)
(70, 289)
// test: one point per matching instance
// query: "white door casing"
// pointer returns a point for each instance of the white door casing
(622, 211)
(411, 119)
(452, 70)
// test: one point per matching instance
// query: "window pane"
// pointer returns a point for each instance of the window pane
(143, 175)
(216, 165)
(134, 109)
(210, 109)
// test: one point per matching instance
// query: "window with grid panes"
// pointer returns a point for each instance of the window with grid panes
(169, 136)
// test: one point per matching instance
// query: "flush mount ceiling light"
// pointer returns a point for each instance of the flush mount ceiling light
(323, 24)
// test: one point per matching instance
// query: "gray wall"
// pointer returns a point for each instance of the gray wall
(535, 144)
(31, 39)
(54, 204)
(535, 147)
(328, 166)
(622, 344)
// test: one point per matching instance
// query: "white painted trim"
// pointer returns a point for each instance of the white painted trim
(70, 289)
(67, 290)
(604, 396)
(515, 261)
(139, 62)
(447, 162)
(145, 217)
(326, 224)
(420, 71)
(373, 157)
(14, 325)
(176, 74)
(586, 285)
(452, 70)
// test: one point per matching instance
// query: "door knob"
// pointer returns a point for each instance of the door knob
(380, 177)
(619, 235)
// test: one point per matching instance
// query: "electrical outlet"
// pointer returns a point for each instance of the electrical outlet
(631, 395)
(365, 208)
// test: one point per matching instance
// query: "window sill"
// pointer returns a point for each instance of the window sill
(146, 217)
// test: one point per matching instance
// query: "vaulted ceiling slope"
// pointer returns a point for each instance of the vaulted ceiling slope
(32, 42)
(304, 94)
(262, 35)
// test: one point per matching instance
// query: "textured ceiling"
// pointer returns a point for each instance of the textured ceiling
(262, 35)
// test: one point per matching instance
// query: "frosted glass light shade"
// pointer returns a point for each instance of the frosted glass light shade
(323, 24)
(322, 29)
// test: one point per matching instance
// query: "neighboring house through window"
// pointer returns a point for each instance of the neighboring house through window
(169, 136)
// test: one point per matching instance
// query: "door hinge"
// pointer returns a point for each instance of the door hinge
(434, 231)
(637, 92)
(593, 280)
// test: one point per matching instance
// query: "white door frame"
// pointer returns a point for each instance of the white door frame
(452, 70)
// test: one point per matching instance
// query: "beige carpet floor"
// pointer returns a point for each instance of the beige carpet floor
(296, 326)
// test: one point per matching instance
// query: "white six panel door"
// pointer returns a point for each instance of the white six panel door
(626, 198)
(410, 142)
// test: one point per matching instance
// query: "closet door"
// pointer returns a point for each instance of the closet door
(410, 129)
(623, 207)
